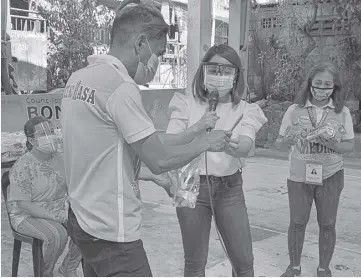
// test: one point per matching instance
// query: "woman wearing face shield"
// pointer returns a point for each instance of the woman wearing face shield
(220, 71)
(319, 129)
(38, 197)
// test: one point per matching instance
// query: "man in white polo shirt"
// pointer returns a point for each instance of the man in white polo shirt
(105, 131)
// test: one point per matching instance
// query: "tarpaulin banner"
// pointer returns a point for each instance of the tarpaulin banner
(17, 109)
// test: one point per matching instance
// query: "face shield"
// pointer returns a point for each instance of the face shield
(46, 137)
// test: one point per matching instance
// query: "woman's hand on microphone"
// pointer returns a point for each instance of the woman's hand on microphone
(208, 120)
(217, 140)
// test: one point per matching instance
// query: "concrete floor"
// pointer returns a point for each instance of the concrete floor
(266, 197)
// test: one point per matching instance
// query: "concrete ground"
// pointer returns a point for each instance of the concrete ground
(266, 197)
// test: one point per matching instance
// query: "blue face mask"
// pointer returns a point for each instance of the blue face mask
(146, 73)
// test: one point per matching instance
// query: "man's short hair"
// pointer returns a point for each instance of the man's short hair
(136, 19)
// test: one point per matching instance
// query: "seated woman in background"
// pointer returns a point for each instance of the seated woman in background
(221, 71)
(38, 197)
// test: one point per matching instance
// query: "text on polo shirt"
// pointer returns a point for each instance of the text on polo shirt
(80, 92)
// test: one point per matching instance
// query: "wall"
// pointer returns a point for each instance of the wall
(30, 48)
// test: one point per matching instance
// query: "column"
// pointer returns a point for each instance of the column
(239, 11)
(234, 26)
(199, 30)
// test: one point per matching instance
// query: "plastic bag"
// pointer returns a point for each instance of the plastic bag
(329, 130)
(185, 184)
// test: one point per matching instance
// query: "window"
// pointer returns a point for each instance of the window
(271, 22)
(104, 36)
(328, 27)
(221, 33)
(277, 22)
(266, 23)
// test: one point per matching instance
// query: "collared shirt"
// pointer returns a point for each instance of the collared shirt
(320, 110)
(102, 114)
(41, 182)
(305, 151)
(185, 111)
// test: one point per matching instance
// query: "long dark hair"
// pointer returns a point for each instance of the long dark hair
(337, 95)
(230, 55)
(29, 129)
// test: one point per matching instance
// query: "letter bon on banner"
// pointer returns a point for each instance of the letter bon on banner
(16, 110)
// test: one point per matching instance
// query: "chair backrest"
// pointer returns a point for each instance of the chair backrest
(5, 182)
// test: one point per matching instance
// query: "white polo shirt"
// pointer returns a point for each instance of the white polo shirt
(102, 113)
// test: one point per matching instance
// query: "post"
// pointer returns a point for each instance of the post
(213, 34)
(234, 27)
(5, 45)
(239, 11)
(198, 37)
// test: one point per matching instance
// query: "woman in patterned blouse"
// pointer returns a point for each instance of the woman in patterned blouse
(38, 197)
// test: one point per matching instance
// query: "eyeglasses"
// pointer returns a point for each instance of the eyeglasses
(219, 69)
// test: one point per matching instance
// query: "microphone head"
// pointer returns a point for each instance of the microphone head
(213, 100)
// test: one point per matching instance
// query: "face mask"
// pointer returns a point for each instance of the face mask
(223, 84)
(321, 94)
(146, 73)
(46, 144)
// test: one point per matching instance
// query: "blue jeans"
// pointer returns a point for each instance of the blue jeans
(232, 221)
(326, 198)
(103, 258)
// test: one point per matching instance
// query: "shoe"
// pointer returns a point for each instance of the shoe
(67, 273)
(324, 273)
(291, 272)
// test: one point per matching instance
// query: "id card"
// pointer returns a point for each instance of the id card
(314, 173)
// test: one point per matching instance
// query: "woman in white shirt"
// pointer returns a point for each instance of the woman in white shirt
(220, 70)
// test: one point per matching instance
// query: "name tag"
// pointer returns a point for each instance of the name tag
(314, 173)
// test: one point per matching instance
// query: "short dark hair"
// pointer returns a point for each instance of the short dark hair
(132, 20)
(337, 95)
(230, 55)
(29, 129)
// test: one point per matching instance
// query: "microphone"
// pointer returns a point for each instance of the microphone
(212, 103)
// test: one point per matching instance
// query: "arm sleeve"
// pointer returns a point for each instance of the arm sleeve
(286, 120)
(253, 119)
(348, 125)
(126, 109)
(178, 111)
(21, 184)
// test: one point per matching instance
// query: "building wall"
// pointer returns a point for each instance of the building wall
(269, 20)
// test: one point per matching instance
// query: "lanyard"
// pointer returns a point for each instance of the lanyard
(313, 118)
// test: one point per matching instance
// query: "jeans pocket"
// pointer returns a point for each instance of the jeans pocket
(233, 181)
(76, 232)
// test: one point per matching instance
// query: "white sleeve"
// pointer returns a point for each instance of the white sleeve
(253, 119)
(348, 125)
(125, 107)
(178, 111)
(286, 120)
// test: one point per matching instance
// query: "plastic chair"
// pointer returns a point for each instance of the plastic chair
(37, 244)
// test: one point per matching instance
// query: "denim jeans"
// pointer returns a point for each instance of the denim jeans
(232, 221)
(327, 197)
(105, 258)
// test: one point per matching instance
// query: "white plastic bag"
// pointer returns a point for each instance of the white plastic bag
(185, 184)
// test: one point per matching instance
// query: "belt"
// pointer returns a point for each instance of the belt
(230, 178)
